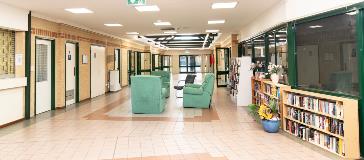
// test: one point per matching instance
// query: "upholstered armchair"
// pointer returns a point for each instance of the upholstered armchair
(166, 79)
(199, 96)
(147, 94)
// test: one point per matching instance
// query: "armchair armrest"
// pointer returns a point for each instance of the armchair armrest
(193, 85)
(191, 90)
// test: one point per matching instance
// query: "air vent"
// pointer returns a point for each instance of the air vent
(168, 29)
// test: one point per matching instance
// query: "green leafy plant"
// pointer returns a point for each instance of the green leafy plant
(253, 111)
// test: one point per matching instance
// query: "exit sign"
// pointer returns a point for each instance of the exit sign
(136, 2)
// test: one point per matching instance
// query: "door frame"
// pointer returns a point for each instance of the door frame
(53, 74)
(90, 54)
(217, 69)
(130, 70)
(139, 70)
(77, 71)
(162, 62)
(119, 60)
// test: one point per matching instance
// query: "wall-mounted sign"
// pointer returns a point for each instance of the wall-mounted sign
(136, 2)
(18, 59)
(84, 59)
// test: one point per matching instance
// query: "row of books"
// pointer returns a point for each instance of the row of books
(333, 144)
(331, 125)
(327, 107)
(271, 91)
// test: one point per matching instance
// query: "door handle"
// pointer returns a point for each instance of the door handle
(74, 71)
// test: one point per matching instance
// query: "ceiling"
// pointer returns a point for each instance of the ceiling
(186, 16)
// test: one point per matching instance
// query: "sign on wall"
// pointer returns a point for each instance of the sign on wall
(136, 2)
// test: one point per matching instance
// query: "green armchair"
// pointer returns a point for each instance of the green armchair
(199, 96)
(166, 79)
(147, 94)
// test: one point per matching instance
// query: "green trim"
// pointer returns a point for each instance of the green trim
(360, 51)
(139, 61)
(77, 78)
(292, 56)
(28, 57)
(53, 75)
(354, 7)
(131, 71)
(266, 52)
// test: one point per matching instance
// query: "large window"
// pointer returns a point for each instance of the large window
(327, 55)
(7, 53)
(189, 64)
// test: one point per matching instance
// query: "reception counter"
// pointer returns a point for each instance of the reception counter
(12, 99)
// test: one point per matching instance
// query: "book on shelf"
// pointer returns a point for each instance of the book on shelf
(331, 143)
(323, 106)
(328, 124)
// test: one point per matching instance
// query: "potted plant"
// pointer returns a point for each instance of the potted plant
(269, 117)
(274, 71)
(253, 111)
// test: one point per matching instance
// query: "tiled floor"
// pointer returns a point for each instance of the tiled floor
(104, 128)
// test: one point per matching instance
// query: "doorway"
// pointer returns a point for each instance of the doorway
(166, 63)
(131, 64)
(143, 63)
(156, 62)
(98, 65)
(222, 66)
(44, 75)
(71, 76)
(117, 59)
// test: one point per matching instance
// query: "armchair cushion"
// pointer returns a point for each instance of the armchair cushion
(191, 90)
(166, 78)
(193, 85)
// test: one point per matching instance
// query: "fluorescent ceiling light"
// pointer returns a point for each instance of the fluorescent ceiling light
(79, 10)
(152, 8)
(212, 30)
(170, 32)
(113, 25)
(316, 26)
(186, 38)
(224, 5)
(216, 22)
(162, 23)
(352, 13)
(132, 33)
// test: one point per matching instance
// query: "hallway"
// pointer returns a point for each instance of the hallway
(105, 128)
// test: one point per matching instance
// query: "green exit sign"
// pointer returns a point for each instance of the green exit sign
(136, 2)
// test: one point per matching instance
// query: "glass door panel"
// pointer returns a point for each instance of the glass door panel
(222, 66)
(131, 64)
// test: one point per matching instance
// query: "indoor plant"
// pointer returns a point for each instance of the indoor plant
(270, 117)
(274, 72)
(253, 111)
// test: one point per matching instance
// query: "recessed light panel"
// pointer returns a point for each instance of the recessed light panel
(79, 10)
(152, 8)
(170, 32)
(316, 26)
(132, 33)
(212, 31)
(224, 5)
(186, 38)
(216, 22)
(113, 25)
(159, 23)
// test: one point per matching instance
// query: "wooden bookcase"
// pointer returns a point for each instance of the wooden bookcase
(328, 122)
(263, 90)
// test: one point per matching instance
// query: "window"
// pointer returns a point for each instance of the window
(189, 64)
(327, 54)
(7, 53)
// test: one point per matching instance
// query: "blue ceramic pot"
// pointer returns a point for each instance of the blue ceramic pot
(271, 126)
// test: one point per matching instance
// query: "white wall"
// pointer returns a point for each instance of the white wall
(13, 18)
(288, 10)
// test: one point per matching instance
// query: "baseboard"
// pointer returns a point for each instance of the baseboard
(11, 123)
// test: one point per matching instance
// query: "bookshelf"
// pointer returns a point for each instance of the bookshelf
(263, 90)
(329, 122)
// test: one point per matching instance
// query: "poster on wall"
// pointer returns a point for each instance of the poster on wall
(84, 59)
